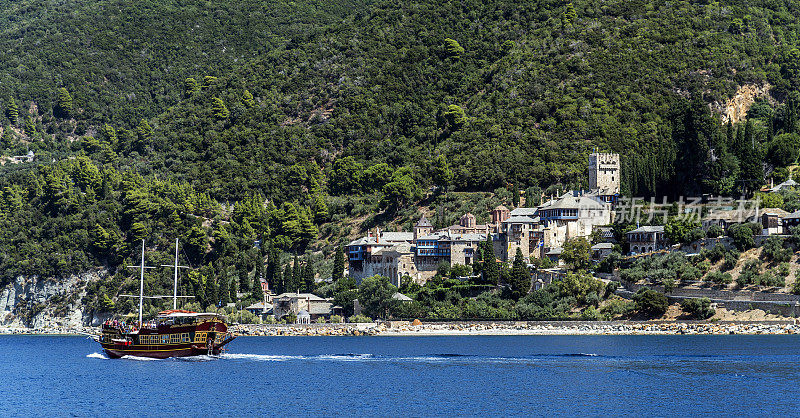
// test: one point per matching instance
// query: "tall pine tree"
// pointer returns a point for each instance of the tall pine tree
(12, 111)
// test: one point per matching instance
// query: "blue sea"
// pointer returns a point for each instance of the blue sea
(411, 376)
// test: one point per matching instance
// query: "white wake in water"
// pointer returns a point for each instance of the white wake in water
(97, 355)
(137, 358)
(202, 357)
(434, 358)
(261, 357)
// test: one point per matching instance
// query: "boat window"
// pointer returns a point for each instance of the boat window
(174, 338)
(200, 337)
(185, 337)
(165, 339)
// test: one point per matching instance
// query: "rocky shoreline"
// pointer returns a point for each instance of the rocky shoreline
(49, 330)
(405, 328)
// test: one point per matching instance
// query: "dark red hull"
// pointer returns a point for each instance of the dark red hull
(193, 350)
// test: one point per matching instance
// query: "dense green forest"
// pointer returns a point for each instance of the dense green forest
(289, 124)
(125, 61)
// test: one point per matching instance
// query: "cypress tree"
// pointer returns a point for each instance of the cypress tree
(338, 264)
(273, 266)
(212, 297)
(255, 289)
(234, 290)
(749, 135)
(491, 271)
(739, 148)
(308, 277)
(259, 273)
(287, 278)
(200, 292)
(790, 123)
(520, 277)
(515, 197)
(730, 135)
(279, 285)
(224, 291)
(296, 275)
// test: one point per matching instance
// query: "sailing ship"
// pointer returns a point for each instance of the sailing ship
(173, 333)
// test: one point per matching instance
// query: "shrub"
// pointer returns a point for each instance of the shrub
(336, 319)
(592, 299)
(717, 253)
(749, 274)
(360, 318)
(617, 307)
(591, 314)
(611, 287)
(775, 250)
(742, 236)
(245, 317)
(719, 277)
(714, 231)
(409, 310)
(698, 308)
(650, 303)
(796, 284)
(320, 320)
(731, 258)
(782, 270)
(445, 311)
(704, 266)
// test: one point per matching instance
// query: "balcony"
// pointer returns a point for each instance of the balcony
(433, 253)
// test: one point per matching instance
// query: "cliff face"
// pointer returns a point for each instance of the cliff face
(46, 303)
(735, 109)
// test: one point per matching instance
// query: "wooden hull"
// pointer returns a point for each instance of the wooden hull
(162, 353)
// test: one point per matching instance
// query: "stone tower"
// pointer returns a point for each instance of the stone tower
(422, 228)
(604, 173)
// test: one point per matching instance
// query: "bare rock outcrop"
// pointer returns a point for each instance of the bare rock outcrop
(736, 108)
(46, 303)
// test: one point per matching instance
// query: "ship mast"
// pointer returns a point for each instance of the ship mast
(142, 297)
(176, 266)
(141, 284)
(175, 294)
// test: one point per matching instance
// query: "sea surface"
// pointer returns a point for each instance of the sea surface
(411, 376)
